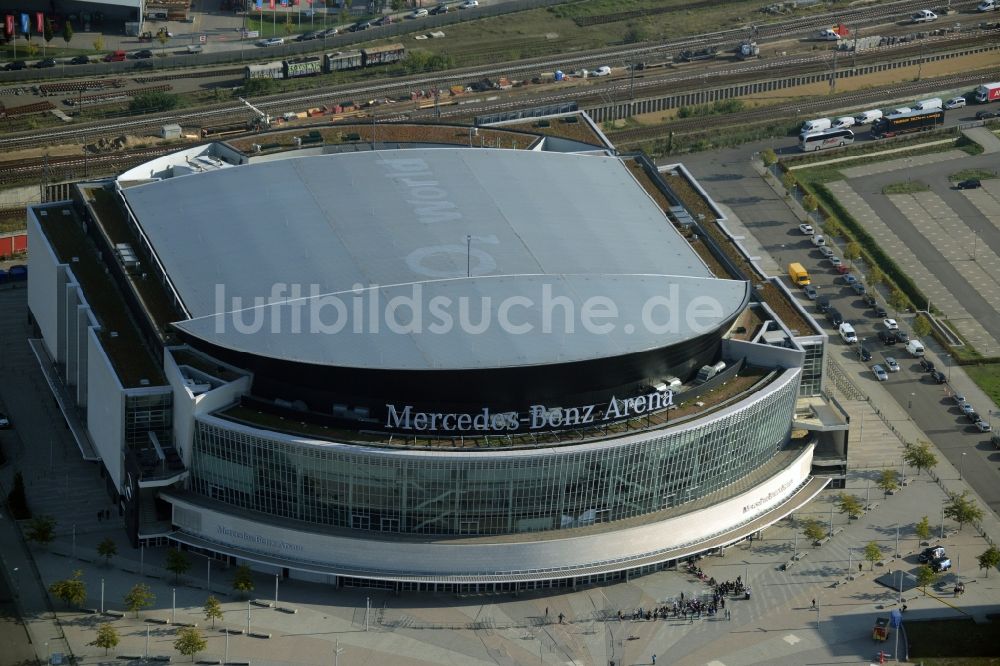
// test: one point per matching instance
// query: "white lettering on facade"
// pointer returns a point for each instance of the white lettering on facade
(767, 498)
(538, 416)
(258, 539)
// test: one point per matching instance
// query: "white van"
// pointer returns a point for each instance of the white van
(847, 333)
(868, 117)
(844, 122)
(915, 347)
(987, 6)
(815, 126)
(928, 104)
(899, 110)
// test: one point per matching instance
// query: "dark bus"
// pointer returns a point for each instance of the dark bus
(904, 123)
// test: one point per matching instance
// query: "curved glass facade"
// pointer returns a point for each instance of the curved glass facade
(489, 493)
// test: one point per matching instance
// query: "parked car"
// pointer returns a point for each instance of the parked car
(420, 12)
(891, 364)
(361, 25)
(880, 310)
(309, 36)
(938, 377)
(858, 288)
(923, 16)
(902, 336)
(967, 408)
(931, 553)
(955, 103)
(807, 229)
(958, 398)
(4, 422)
(970, 184)
(142, 54)
(603, 70)
(810, 292)
(849, 279)
(469, 4)
(841, 268)
(79, 60)
(15, 65)
(926, 364)
(941, 564)
(385, 20)
(835, 261)
(440, 9)
(890, 324)
(880, 373)
(330, 32)
(834, 317)
(983, 426)
(886, 338)
(864, 353)
(869, 300)
(822, 303)
(973, 417)
(983, 115)
(826, 251)
(46, 62)
(818, 240)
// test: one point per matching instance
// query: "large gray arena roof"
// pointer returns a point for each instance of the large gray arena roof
(529, 236)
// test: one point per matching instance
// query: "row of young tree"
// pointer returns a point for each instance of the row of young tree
(189, 643)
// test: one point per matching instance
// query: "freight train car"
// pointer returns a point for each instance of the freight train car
(383, 55)
(302, 67)
(342, 60)
(269, 70)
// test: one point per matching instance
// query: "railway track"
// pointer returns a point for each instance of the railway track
(276, 104)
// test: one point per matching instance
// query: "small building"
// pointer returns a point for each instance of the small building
(170, 132)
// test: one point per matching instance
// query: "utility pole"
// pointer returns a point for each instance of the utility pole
(368, 605)
(248, 616)
(102, 596)
(275, 591)
(173, 604)
(833, 74)
(336, 653)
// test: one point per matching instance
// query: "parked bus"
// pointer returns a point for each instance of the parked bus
(904, 123)
(831, 138)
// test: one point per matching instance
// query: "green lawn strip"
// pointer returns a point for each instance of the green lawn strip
(987, 377)
(953, 641)
(906, 187)
(967, 174)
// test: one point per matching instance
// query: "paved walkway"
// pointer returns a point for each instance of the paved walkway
(939, 295)
(902, 163)
(985, 138)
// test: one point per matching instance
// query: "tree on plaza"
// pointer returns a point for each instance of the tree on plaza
(850, 505)
(243, 580)
(138, 598)
(814, 530)
(852, 252)
(989, 559)
(888, 481)
(898, 300)
(189, 642)
(107, 549)
(178, 563)
(788, 181)
(98, 43)
(47, 33)
(67, 33)
(925, 576)
(41, 530)
(31, 47)
(288, 27)
(873, 553)
(810, 203)
(923, 529)
(919, 455)
(769, 157)
(107, 637)
(213, 609)
(831, 229)
(921, 326)
(72, 591)
(163, 37)
(962, 510)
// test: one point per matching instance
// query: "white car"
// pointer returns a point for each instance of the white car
(892, 364)
(818, 240)
(924, 16)
(835, 261)
(826, 251)
(988, 6)
(469, 4)
(601, 71)
(890, 324)
(419, 13)
(807, 229)
(955, 103)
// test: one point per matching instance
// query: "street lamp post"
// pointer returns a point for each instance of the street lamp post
(961, 467)
(17, 585)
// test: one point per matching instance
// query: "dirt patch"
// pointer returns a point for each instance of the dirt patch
(70, 149)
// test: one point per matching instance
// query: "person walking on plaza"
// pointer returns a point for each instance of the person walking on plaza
(814, 603)
(654, 660)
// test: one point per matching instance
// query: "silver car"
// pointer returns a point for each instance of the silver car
(880, 373)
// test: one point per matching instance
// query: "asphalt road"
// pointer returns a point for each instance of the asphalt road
(728, 178)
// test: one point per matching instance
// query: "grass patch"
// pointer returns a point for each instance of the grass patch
(969, 146)
(987, 377)
(953, 641)
(907, 187)
(968, 174)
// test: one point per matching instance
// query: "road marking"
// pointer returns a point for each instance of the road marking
(791, 639)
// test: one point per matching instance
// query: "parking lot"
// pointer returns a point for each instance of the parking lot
(729, 178)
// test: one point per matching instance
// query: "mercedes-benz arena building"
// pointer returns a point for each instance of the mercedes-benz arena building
(427, 368)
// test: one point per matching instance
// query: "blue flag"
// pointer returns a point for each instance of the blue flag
(260, 5)
(25, 24)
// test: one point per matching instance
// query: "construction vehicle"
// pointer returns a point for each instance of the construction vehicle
(747, 49)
